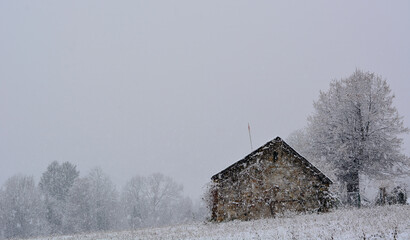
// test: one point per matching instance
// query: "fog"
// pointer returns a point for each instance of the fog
(138, 87)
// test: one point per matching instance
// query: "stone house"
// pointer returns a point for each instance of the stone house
(268, 182)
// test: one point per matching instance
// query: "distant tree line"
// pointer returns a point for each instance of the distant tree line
(65, 203)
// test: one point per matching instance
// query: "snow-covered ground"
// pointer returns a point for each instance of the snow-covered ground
(389, 222)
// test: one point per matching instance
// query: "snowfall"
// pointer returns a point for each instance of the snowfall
(387, 222)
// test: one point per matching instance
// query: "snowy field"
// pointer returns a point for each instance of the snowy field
(389, 222)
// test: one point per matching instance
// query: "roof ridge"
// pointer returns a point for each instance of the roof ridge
(321, 175)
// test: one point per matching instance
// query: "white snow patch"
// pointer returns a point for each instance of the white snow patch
(369, 223)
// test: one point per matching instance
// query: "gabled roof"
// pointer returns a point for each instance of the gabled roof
(275, 143)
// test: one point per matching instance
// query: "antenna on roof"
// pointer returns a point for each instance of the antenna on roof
(250, 138)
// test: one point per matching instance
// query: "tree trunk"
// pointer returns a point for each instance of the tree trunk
(353, 188)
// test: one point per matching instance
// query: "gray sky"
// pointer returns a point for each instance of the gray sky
(137, 87)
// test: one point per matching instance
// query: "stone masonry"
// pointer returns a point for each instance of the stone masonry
(268, 182)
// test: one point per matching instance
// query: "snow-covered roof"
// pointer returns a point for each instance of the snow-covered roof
(275, 144)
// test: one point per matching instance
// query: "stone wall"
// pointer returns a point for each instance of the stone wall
(270, 182)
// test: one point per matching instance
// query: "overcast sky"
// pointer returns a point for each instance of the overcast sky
(137, 87)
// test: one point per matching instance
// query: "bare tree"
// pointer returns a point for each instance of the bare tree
(161, 192)
(154, 201)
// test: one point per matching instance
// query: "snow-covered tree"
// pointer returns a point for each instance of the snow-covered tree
(2, 213)
(134, 202)
(183, 210)
(155, 200)
(21, 210)
(78, 215)
(92, 204)
(200, 209)
(356, 128)
(55, 184)
(104, 196)
(299, 140)
(57, 180)
(161, 192)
